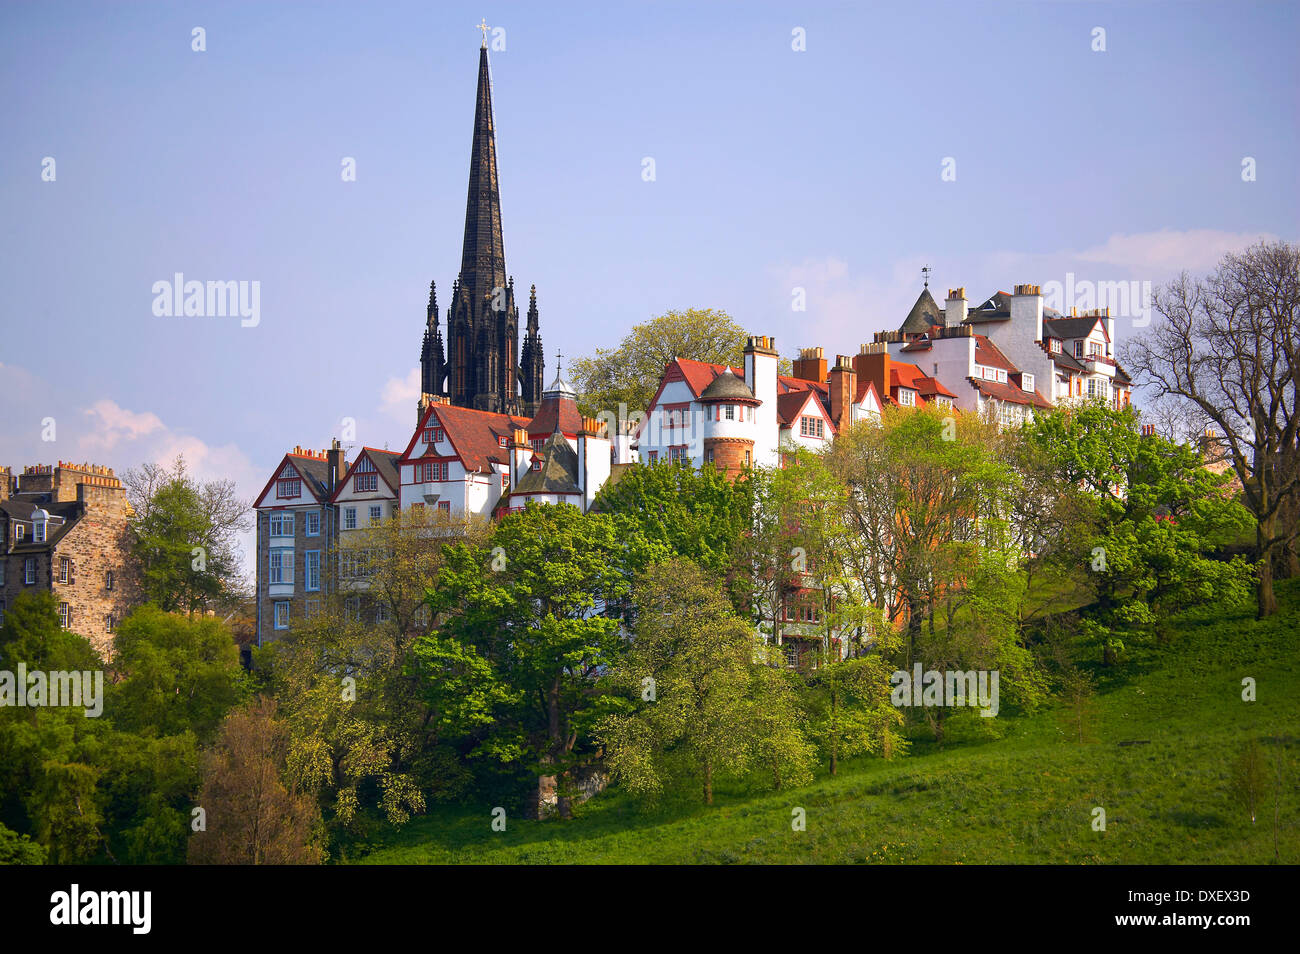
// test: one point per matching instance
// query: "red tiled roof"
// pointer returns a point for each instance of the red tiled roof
(1008, 392)
(474, 434)
(902, 374)
(556, 414)
(700, 374)
(989, 355)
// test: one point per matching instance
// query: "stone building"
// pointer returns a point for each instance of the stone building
(64, 529)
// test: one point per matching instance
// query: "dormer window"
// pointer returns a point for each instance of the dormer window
(19, 530)
(1056, 345)
(537, 464)
(1027, 382)
(907, 397)
(39, 520)
(1078, 349)
(503, 441)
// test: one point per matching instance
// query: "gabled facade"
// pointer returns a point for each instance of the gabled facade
(296, 531)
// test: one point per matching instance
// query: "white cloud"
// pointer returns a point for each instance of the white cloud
(114, 424)
(400, 396)
(1171, 251)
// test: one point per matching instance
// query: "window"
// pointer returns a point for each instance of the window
(313, 523)
(2, 571)
(444, 506)
(376, 514)
(1056, 345)
(282, 566)
(505, 482)
(708, 456)
(311, 570)
(1096, 348)
(907, 397)
(537, 464)
(432, 471)
(812, 427)
(65, 615)
(746, 458)
(38, 530)
(282, 615)
(381, 612)
(537, 443)
(313, 609)
(2, 612)
(108, 580)
(678, 455)
(349, 518)
(729, 412)
(1098, 388)
(366, 483)
(1027, 381)
(18, 531)
(1078, 349)
(29, 571)
(944, 402)
(503, 441)
(65, 569)
(433, 435)
(352, 608)
(288, 488)
(282, 523)
(654, 456)
(108, 623)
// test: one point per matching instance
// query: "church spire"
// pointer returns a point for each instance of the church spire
(483, 256)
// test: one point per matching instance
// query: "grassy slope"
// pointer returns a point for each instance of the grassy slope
(1027, 797)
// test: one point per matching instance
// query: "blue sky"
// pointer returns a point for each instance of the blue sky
(775, 169)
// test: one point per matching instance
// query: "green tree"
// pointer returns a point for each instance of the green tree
(623, 380)
(1153, 512)
(174, 674)
(689, 663)
(850, 712)
(532, 602)
(184, 537)
(697, 514)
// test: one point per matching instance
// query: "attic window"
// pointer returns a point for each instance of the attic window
(366, 482)
(1027, 381)
(812, 427)
(503, 441)
(1056, 345)
(432, 435)
(537, 464)
(288, 488)
(907, 397)
(18, 531)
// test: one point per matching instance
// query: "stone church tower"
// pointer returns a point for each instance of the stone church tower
(482, 368)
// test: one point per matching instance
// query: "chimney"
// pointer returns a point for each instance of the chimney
(844, 387)
(810, 365)
(521, 454)
(955, 308)
(6, 484)
(872, 366)
(1027, 311)
(337, 458)
(760, 375)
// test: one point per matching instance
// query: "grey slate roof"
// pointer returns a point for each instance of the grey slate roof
(923, 315)
(726, 385)
(559, 471)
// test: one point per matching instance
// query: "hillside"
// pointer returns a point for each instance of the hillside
(1166, 728)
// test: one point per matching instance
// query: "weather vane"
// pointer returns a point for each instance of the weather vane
(482, 25)
(926, 270)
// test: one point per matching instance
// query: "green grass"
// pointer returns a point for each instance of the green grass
(1027, 797)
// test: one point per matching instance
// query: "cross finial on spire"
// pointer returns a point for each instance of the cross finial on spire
(559, 362)
(926, 270)
(482, 25)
